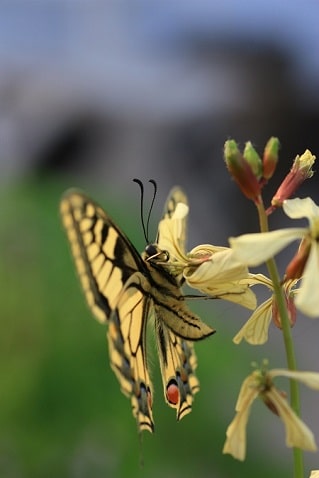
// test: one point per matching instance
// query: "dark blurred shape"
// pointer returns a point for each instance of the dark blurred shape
(70, 147)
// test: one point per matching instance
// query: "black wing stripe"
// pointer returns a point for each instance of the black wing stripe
(127, 348)
(102, 253)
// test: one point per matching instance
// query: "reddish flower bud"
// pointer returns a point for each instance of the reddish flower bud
(297, 264)
(300, 171)
(241, 171)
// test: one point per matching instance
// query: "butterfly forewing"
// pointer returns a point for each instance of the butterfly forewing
(104, 258)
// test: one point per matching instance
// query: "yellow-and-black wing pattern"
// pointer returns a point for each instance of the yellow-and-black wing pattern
(107, 263)
(104, 257)
(177, 356)
(127, 348)
(178, 364)
(126, 290)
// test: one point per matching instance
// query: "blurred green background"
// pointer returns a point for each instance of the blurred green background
(61, 410)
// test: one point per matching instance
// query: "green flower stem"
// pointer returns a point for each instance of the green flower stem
(286, 330)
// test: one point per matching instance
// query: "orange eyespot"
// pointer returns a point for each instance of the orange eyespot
(172, 393)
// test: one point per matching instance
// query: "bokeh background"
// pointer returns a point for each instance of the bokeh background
(95, 93)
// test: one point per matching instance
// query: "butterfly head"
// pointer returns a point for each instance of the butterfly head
(154, 254)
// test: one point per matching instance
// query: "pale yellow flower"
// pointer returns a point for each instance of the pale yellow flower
(171, 232)
(255, 330)
(219, 275)
(253, 249)
(314, 474)
(260, 384)
(210, 269)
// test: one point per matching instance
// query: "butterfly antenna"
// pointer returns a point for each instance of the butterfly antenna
(145, 228)
(139, 182)
(152, 181)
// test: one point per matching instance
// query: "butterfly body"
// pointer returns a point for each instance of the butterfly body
(126, 290)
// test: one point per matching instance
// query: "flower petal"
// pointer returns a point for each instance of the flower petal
(223, 267)
(297, 433)
(255, 330)
(171, 234)
(260, 279)
(235, 443)
(298, 208)
(311, 379)
(248, 391)
(221, 275)
(253, 249)
(314, 474)
(231, 291)
(307, 299)
(245, 299)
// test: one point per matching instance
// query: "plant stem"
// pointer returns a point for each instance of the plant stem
(288, 341)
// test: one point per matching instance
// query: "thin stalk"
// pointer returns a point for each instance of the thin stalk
(288, 341)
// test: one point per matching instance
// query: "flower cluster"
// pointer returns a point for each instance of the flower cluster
(253, 249)
(222, 272)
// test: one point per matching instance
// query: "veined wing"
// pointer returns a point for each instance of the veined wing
(104, 257)
(125, 289)
(174, 324)
(178, 364)
(115, 281)
(170, 304)
(175, 196)
(127, 348)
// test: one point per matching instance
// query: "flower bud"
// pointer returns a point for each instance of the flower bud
(241, 171)
(297, 264)
(270, 157)
(253, 158)
(300, 171)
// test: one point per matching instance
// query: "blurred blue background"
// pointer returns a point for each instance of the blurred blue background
(93, 94)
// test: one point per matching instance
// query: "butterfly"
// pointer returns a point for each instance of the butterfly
(132, 292)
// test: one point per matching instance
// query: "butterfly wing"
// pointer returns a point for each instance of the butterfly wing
(173, 327)
(115, 280)
(175, 196)
(178, 364)
(127, 346)
(104, 257)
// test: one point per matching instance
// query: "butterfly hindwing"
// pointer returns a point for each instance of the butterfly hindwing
(127, 348)
(177, 355)
(178, 363)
